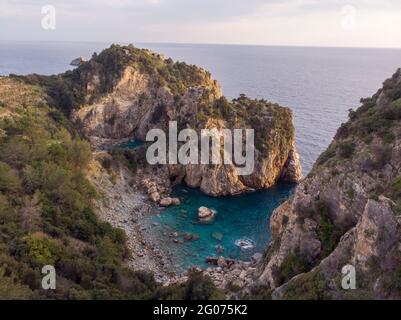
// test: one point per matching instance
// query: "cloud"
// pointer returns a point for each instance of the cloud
(297, 22)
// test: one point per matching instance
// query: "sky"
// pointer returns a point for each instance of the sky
(344, 23)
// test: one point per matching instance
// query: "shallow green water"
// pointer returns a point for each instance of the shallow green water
(131, 144)
(238, 218)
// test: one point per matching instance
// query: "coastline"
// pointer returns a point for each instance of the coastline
(128, 208)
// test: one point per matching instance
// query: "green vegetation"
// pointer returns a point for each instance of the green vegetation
(198, 287)
(260, 292)
(346, 149)
(395, 193)
(98, 76)
(294, 264)
(47, 216)
(260, 115)
(310, 286)
(329, 233)
(370, 121)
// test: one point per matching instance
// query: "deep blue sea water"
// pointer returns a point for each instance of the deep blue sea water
(320, 85)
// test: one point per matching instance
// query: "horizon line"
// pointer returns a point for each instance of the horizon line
(205, 44)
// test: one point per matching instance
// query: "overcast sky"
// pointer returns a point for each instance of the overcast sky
(361, 23)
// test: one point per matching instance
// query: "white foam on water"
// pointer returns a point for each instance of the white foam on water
(245, 243)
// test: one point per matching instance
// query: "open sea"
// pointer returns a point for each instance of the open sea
(320, 85)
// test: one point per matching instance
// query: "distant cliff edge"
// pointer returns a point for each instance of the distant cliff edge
(346, 212)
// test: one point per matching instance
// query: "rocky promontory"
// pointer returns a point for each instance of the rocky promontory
(345, 213)
(124, 92)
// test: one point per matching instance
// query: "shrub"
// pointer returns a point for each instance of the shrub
(200, 287)
(395, 189)
(346, 149)
(326, 156)
(9, 180)
(293, 264)
(382, 156)
(310, 286)
(43, 250)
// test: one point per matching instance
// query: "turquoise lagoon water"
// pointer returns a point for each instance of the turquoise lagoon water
(240, 219)
(244, 217)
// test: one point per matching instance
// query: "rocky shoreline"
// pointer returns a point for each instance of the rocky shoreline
(128, 208)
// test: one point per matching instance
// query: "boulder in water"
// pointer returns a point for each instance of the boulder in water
(191, 237)
(167, 202)
(205, 214)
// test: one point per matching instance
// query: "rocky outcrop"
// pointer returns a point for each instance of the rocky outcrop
(292, 171)
(205, 214)
(346, 212)
(155, 194)
(139, 90)
(77, 62)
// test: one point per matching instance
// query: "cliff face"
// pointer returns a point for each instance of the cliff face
(124, 92)
(346, 212)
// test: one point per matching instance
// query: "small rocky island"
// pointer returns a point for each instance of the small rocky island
(77, 62)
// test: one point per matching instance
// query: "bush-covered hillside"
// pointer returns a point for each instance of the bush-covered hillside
(97, 77)
(47, 217)
(260, 115)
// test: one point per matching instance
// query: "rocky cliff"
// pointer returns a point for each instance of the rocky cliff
(124, 92)
(346, 212)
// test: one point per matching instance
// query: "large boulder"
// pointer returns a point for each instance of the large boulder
(205, 214)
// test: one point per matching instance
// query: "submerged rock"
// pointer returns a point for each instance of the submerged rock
(218, 236)
(220, 249)
(257, 257)
(190, 237)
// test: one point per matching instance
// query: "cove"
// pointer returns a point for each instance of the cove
(240, 220)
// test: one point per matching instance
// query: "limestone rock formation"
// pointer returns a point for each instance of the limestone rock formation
(346, 212)
(124, 92)
(77, 62)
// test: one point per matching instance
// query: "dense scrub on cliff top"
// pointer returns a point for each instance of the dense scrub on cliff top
(348, 209)
(47, 217)
(243, 112)
(370, 137)
(98, 76)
